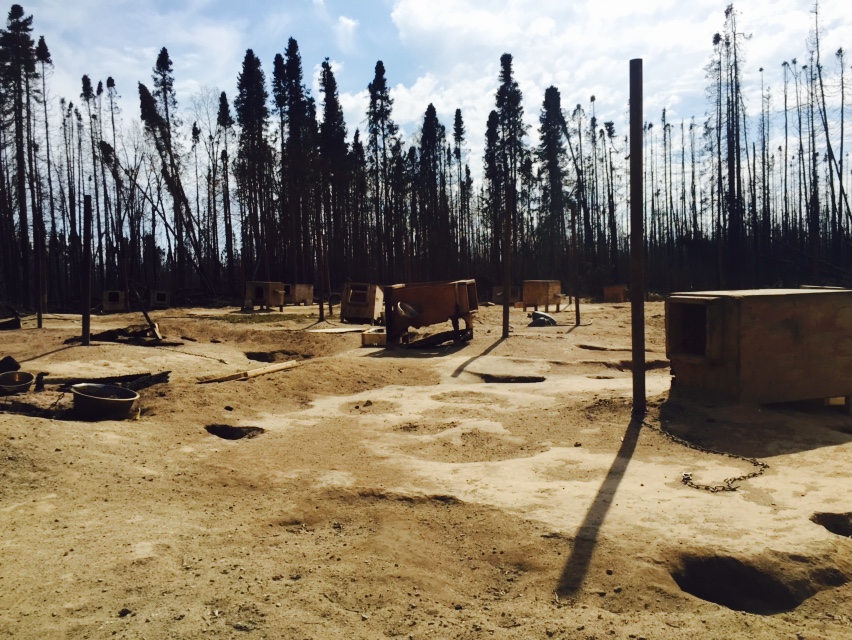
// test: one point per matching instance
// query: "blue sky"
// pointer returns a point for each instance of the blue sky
(445, 52)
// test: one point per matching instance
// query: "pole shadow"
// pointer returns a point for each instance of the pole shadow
(419, 353)
(572, 327)
(328, 323)
(42, 355)
(586, 539)
(469, 361)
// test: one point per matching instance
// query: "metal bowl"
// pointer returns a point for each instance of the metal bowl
(15, 382)
(103, 401)
(406, 310)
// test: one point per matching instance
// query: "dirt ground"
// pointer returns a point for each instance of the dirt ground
(397, 493)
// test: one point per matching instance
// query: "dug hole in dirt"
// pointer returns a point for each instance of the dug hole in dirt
(494, 489)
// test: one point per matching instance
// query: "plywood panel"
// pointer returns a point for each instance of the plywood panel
(796, 347)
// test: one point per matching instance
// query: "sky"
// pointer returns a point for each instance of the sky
(444, 52)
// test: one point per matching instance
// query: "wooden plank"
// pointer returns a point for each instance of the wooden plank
(251, 373)
(155, 328)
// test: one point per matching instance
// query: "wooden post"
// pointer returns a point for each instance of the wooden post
(320, 261)
(637, 239)
(87, 270)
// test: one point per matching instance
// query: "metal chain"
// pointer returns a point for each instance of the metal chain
(727, 483)
(56, 403)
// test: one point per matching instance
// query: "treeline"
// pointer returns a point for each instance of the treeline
(267, 185)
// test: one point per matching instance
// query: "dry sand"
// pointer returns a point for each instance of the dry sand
(396, 493)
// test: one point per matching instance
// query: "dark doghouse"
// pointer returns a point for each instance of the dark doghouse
(159, 299)
(264, 295)
(114, 301)
(297, 294)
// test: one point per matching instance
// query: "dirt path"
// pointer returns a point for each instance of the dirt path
(410, 494)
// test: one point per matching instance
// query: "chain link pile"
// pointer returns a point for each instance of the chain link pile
(727, 483)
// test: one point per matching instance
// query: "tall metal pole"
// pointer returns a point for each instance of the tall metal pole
(637, 239)
(507, 257)
(38, 229)
(575, 276)
(87, 269)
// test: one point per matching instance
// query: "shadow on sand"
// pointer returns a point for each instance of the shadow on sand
(464, 365)
(755, 431)
(419, 353)
(586, 539)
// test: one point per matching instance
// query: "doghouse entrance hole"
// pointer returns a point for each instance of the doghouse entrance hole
(357, 294)
(689, 329)
(837, 523)
(228, 432)
(735, 585)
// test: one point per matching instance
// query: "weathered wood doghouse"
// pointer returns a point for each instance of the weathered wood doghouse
(615, 293)
(298, 294)
(114, 301)
(264, 295)
(763, 345)
(542, 293)
(374, 337)
(159, 299)
(427, 303)
(497, 295)
(361, 303)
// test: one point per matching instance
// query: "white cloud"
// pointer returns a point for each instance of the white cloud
(445, 52)
(344, 31)
(354, 107)
(584, 48)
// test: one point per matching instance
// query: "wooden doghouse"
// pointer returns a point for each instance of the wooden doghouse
(264, 295)
(615, 293)
(542, 293)
(361, 303)
(428, 303)
(298, 294)
(159, 299)
(374, 337)
(114, 301)
(763, 345)
(497, 295)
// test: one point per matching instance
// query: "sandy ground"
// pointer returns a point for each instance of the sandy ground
(396, 493)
